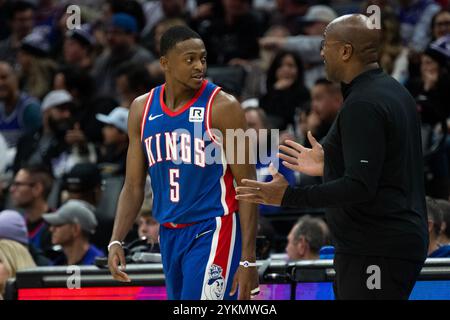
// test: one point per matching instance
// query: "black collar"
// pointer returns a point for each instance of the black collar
(362, 77)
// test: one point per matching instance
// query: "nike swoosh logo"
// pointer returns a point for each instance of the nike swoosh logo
(154, 117)
(202, 234)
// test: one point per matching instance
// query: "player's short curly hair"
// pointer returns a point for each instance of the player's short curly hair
(174, 35)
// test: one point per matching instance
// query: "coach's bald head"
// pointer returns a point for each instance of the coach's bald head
(351, 44)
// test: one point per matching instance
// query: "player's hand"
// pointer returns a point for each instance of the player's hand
(246, 279)
(270, 193)
(305, 160)
(116, 255)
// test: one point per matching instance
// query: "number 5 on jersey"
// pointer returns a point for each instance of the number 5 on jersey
(174, 175)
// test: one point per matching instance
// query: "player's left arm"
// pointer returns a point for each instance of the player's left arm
(228, 114)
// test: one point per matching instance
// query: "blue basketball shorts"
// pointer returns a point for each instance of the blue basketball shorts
(200, 260)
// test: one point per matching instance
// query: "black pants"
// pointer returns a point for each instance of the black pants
(374, 278)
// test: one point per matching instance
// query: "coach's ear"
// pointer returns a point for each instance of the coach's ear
(164, 63)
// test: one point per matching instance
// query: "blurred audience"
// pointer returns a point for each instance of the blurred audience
(148, 228)
(14, 257)
(286, 91)
(435, 217)
(122, 33)
(266, 151)
(113, 154)
(232, 38)
(307, 45)
(47, 145)
(306, 238)
(132, 80)
(444, 237)
(20, 19)
(72, 226)
(415, 18)
(13, 227)
(29, 192)
(19, 112)
(36, 67)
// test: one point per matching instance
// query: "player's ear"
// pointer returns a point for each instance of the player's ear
(164, 63)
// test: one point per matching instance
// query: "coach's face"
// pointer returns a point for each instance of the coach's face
(186, 63)
(335, 53)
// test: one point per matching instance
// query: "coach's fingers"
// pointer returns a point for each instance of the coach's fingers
(286, 158)
(289, 151)
(293, 167)
(247, 190)
(253, 198)
(312, 140)
(252, 183)
(295, 145)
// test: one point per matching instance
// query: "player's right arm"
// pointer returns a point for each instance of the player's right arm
(132, 194)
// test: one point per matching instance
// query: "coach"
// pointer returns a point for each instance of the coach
(372, 168)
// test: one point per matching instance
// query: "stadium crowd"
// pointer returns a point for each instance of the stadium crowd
(65, 93)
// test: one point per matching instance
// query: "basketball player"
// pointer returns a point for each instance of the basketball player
(207, 247)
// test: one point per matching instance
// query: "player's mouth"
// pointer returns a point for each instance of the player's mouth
(198, 77)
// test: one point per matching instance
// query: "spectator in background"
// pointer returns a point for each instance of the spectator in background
(132, 81)
(288, 14)
(393, 54)
(154, 68)
(306, 45)
(14, 257)
(72, 226)
(21, 22)
(148, 228)
(19, 112)
(86, 104)
(37, 69)
(122, 35)
(257, 120)
(113, 156)
(432, 96)
(47, 145)
(306, 238)
(415, 18)
(84, 183)
(255, 80)
(264, 238)
(326, 101)
(440, 24)
(131, 7)
(435, 249)
(444, 205)
(77, 48)
(156, 11)
(232, 38)
(29, 192)
(286, 91)
(13, 227)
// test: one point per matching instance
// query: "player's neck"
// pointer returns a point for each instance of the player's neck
(176, 95)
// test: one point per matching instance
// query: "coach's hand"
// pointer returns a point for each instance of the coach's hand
(270, 193)
(246, 279)
(116, 255)
(305, 160)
